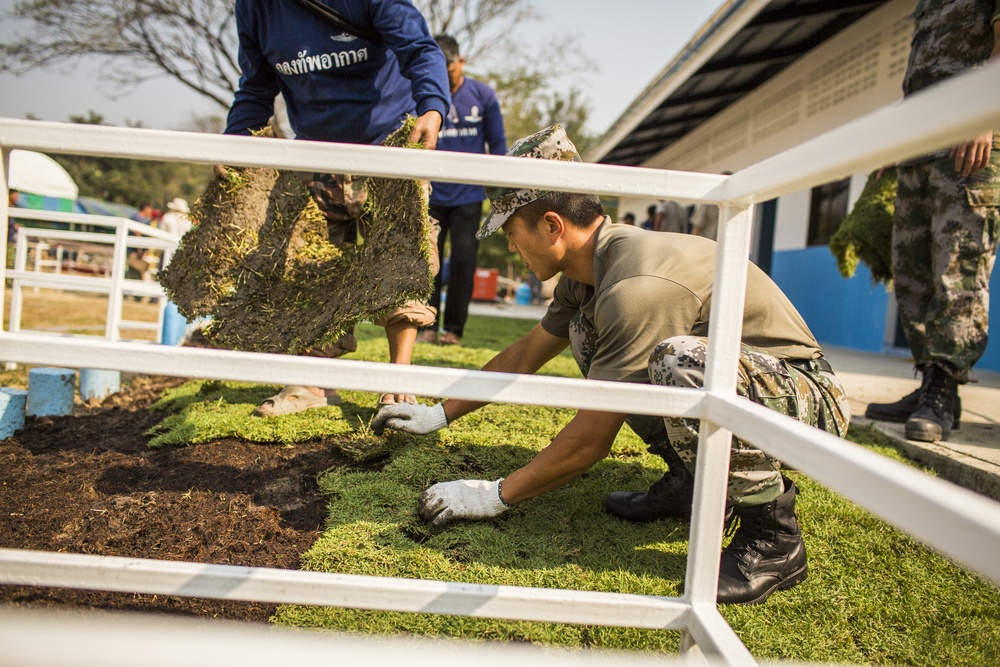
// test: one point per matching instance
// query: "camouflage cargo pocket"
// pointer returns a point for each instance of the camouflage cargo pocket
(772, 387)
(982, 191)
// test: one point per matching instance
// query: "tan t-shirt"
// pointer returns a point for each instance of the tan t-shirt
(650, 287)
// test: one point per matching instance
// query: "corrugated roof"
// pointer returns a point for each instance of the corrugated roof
(764, 38)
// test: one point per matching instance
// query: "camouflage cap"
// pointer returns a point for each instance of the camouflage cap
(548, 144)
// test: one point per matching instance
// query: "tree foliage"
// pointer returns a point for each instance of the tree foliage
(192, 41)
(481, 27)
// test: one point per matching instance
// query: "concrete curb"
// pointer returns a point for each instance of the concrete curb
(969, 471)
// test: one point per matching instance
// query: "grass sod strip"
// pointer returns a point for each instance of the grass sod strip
(865, 235)
(260, 264)
(204, 411)
(873, 596)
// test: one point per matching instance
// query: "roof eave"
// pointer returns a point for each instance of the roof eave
(712, 36)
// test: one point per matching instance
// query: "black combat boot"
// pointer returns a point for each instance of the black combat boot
(669, 497)
(934, 417)
(900, 411)
(766, 553)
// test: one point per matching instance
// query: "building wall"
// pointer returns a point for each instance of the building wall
(861, 69)
(858, 71)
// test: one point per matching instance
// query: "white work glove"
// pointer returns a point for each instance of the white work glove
(412, 418)
(462, 499)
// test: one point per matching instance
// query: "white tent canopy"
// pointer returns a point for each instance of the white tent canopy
(38, 174)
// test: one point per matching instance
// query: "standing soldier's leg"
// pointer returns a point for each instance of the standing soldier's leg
(429, 334)
(963, 229)
(767, 552)
(912, 259)
(462, 276)
(342, 229)
(912, 251)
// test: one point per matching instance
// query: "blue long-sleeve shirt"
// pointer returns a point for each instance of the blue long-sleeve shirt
(474, 124)
(336, 86)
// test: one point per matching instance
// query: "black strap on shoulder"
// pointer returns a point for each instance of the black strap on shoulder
(337, 20)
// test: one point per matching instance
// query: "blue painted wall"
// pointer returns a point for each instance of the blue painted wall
(850, 313)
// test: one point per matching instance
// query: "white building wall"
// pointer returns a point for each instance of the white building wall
(789, 232)
(858, 71)
(636, 206)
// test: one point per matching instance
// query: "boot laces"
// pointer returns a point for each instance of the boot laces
(744, 546)
(746, 549)
(939, 389)
(668, 484)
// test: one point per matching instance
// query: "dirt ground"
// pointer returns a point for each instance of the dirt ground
(88, 484)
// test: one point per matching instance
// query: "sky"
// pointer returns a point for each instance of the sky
(630, 41)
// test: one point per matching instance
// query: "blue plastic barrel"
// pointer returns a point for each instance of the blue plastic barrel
(523, 295)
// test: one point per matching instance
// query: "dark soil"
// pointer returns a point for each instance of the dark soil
(88, 484)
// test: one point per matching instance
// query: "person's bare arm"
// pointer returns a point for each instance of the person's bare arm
(583, 442)
(525, 356)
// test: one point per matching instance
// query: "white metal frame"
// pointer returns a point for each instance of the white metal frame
(126, 234)
(957, 522)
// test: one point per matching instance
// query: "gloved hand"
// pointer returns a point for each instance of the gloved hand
(410, 418)
(462, 499)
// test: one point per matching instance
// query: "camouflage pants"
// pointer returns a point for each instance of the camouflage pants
(801, 391)
(944, 243)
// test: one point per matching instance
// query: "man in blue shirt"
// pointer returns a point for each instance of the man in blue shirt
(352, 83)
(473, 125)
(338, 86)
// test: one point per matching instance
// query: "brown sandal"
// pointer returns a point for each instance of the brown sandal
(429, 336)
(449, 338)
(294, 399)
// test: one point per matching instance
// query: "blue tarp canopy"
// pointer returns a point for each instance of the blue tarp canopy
(93, 206)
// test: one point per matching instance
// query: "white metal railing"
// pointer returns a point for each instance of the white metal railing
(955, 521)
(36, 639)
(112, 249)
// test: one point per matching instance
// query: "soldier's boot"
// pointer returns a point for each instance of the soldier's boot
(933, 419)
(900, 411)
(669, 497)
(766, 554)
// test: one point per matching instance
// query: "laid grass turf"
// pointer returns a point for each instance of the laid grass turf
(873, 594)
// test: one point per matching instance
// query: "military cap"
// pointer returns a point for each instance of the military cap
(548, 144)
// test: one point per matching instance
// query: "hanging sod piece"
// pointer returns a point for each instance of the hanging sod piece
(866, 233)
(259, 263)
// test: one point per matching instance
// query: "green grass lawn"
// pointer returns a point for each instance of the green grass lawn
(873, 595)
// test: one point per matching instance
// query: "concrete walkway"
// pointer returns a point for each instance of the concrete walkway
(970, 458)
